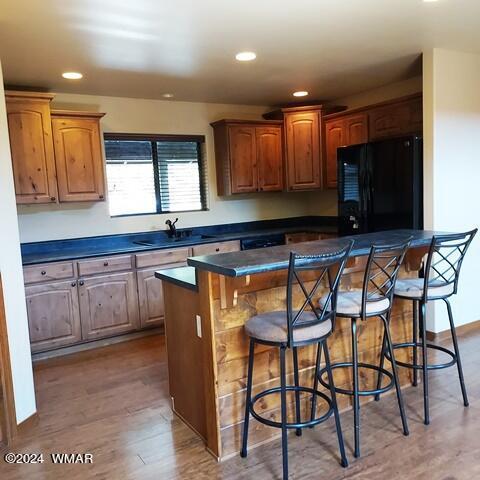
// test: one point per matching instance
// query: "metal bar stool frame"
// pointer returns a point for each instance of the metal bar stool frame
(380, 275)
(330, 267)
(442, 268)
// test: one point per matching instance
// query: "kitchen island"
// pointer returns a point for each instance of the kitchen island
(206, 307)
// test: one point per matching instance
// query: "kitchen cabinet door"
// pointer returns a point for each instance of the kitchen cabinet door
(335, 134)
(303, 152)
(356, 129)
(150, 296)
(108, 305)
(243, 159)
(269, 158)
(53, 315)
(31, 146)
(78, 157)
(388, 121)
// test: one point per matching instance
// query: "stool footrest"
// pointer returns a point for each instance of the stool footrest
(345, 391)
(434, 366)
(272, 423)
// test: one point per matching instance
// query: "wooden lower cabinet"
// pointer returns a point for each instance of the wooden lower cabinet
(150, 296)
(53, 315)
(108, 305)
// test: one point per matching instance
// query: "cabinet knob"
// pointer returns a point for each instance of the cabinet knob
(100, 196)
(105, 264)
(74, 284)
(53, 198)
(81, 283)
(43, 272)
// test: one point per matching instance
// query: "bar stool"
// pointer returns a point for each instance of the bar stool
(291, 329)
(373, 300)
(442, 270)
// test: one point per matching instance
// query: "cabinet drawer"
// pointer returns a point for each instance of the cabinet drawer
(47, 272)
(105, 265)
(213, 248)
(161, 257)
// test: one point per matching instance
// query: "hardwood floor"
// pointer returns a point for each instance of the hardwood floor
(113, 403)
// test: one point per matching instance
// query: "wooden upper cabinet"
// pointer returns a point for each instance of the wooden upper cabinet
(243, 159)
(31, 146)
(248, 156)
(303, 152)
(356, 129)
(335, 136)
(396, 118)
(269, 158)
(78, 156)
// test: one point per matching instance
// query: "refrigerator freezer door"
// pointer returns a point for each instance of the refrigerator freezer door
(390, 182)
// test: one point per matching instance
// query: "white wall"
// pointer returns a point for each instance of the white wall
(382, 94)
(154, 116)
(452, 166)
(12, 278)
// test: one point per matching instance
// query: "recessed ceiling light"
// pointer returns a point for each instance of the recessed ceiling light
(167, 95)
(300, 93)
(245, 56)
(72, 75)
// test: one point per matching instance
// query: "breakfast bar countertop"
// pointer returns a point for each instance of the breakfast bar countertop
(237, 264)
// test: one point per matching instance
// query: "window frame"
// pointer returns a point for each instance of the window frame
(153, 139)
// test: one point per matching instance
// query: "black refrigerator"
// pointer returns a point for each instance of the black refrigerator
(380, 186)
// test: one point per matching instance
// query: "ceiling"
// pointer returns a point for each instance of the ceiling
(145, 48)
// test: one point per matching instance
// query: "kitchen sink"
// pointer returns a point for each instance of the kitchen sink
(167, 240)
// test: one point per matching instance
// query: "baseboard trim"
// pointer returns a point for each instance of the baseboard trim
(104, 342)
(461, 330)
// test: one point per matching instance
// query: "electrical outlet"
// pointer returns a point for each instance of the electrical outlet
(199, 325)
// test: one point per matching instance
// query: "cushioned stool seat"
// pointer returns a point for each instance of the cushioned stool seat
(272, 327)
(413, 288)
(350, 303)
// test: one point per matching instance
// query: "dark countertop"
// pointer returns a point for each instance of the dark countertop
(249, 262)
(72, 249)
(183, 276)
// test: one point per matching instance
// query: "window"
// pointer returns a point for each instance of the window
(155, 174)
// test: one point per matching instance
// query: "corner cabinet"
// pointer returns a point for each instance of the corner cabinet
(56, 155)
(402, 116)
(248, 156)
(303, 149)
(31, 146)
(78, 156)
(53, 315)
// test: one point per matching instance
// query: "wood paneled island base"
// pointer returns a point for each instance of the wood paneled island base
(208, 354)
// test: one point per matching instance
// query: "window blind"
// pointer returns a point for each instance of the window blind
(179, 170)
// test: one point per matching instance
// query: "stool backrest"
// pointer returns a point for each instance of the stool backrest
(381, 272)
(445, 259)
(328, 266)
